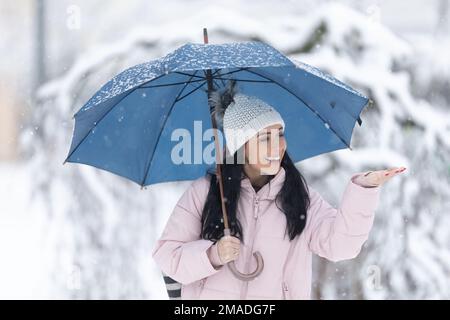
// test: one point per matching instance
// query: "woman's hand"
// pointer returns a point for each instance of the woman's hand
(228, 248)
(377, 178)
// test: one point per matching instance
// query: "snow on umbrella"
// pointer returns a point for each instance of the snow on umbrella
(128, 126)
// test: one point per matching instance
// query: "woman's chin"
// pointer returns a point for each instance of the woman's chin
(272, 169)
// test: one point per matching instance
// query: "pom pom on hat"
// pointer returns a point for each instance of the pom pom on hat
(220, 100)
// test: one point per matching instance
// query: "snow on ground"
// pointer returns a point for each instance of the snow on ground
(23, 269)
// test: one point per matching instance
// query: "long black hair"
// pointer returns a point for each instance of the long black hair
(293, 196)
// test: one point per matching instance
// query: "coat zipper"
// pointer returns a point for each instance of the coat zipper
(255, 218)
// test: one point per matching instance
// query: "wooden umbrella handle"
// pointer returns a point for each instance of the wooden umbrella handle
(243, 276)
(249, 276)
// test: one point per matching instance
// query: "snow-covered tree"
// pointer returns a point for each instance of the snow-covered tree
(407, 255)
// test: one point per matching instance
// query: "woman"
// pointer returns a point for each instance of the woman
(270, 209)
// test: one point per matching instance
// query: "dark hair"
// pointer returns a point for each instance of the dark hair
(294, 198)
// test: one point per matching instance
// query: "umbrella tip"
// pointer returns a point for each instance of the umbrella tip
(205, 36)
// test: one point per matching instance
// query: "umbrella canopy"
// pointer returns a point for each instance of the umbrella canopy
(135, 124)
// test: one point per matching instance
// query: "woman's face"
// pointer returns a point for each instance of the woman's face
(265, 150)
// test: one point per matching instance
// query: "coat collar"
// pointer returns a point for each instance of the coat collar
(269, 190)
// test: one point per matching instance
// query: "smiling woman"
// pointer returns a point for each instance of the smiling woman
(270, 209)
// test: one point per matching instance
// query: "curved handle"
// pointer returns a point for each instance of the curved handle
(249, 276)
(243, 276)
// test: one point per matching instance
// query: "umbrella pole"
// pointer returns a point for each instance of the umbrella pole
(216, 143)
(227, 232)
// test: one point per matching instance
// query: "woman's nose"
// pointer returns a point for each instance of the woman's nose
(274, 149)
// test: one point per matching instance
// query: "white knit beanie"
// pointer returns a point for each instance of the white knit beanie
(245, 117)
(241, 116)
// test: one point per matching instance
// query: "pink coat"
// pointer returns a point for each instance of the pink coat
(335, 234)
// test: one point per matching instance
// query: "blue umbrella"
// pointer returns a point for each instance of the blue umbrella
(127, 126)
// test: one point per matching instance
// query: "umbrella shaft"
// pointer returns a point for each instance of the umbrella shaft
(216, 141)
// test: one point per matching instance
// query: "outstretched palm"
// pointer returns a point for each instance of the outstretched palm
(377, 178)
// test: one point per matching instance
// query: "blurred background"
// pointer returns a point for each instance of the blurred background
(75, 232)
